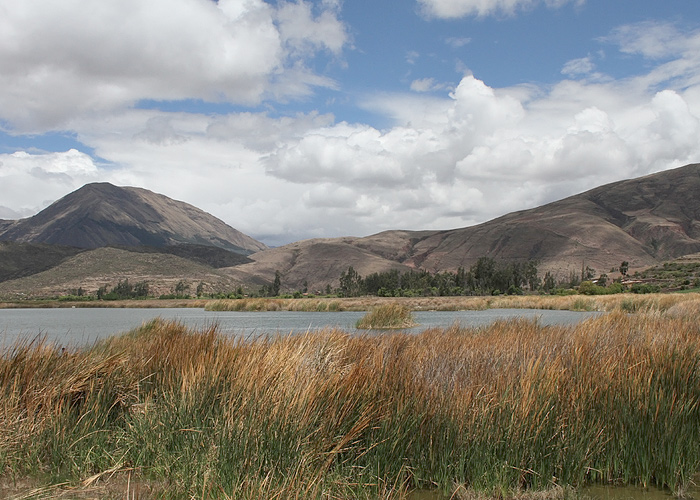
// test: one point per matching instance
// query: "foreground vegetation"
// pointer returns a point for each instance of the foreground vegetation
(194, 414)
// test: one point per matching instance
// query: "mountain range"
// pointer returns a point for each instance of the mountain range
(643, 221)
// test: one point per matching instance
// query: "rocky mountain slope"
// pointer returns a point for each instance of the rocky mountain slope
(101, 214)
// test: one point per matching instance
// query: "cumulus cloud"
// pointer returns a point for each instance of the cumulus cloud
(68, 59)
(460, 8)
(32, 181)
(305, 34)
(449, 160)
(485, 151)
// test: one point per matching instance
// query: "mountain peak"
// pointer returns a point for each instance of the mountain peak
(101, 214)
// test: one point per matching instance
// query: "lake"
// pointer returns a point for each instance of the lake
(81, 326)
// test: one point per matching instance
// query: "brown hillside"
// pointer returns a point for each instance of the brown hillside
(92, 269)
(318, 262)
(643, 221)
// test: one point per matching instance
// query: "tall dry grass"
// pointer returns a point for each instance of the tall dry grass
(605, 303)
(334, 415)
(387, 316)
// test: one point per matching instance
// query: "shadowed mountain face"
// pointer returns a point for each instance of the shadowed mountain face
(101, 214)
(643, 221)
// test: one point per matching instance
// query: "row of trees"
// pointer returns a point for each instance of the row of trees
(487, 276)
(123, 290)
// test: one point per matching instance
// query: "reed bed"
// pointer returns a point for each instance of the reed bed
(513, 406)
(605, 303)
(387, 316)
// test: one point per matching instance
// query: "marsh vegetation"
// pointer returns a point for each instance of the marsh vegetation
(514, 406)
(387, 316)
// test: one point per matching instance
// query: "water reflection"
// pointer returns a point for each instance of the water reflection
(632, 493)
(597, 492)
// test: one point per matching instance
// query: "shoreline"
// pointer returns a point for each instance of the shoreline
(627, 302)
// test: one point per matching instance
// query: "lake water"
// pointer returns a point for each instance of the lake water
(81, 326)
(598, 492)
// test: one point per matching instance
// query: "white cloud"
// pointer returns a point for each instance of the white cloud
(485, 151)
(30, 182)
(457, 42)
(426, 85)
(577, 67)
(77, 57)
(306, 34)
(461, 8)
(655, 40)
(412, 56)
(448, 161)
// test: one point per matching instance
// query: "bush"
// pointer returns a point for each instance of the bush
(590, 288)
(645, 288)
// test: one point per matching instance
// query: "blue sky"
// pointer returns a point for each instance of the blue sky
(300, 119)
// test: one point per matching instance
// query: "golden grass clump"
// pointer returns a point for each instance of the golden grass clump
(387, 316)
(514, 406)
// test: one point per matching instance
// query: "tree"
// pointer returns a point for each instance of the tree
(140, 289)
(182, 288)
(483, 272)
(276, 284)
(531, 276)
(624, 267)
(548, 284)
(350, 283)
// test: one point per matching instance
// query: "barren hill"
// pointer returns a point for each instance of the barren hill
(643, 221)
(101, 214)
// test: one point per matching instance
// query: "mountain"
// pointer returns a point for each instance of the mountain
(101, 214)
(643, 221)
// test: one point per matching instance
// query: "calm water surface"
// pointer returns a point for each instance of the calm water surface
(83, 326)
(594, 493)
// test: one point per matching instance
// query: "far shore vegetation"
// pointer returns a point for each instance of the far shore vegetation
(486, 278)
(165, 411)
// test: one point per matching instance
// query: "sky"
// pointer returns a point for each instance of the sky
(298, 119)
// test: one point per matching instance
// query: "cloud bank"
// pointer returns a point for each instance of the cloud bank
(65, 59)
(463, 157)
